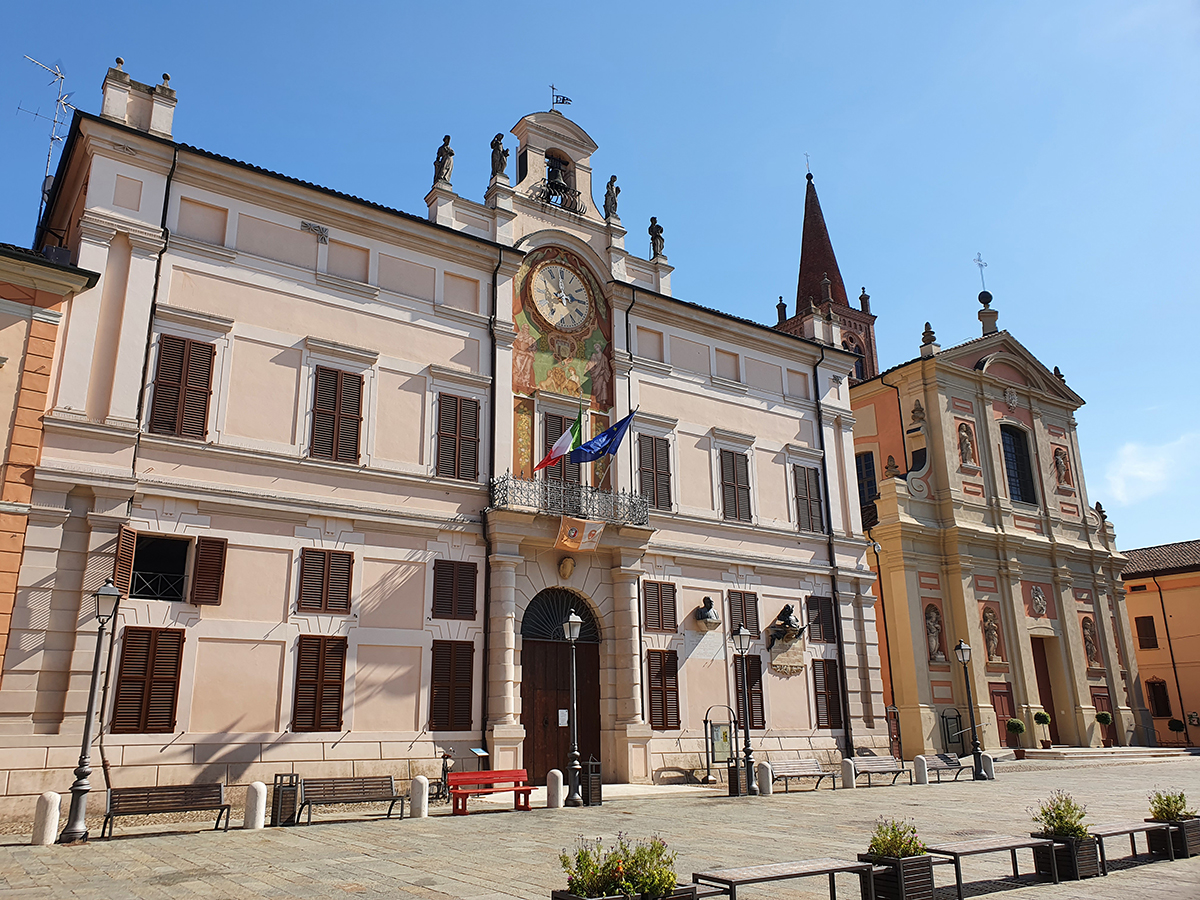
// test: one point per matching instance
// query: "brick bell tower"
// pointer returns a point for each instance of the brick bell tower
(820, 293)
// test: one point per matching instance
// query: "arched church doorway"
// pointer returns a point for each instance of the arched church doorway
(546, 683)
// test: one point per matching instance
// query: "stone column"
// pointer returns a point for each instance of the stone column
(505, 733)
(1086, 729)
(632, 732)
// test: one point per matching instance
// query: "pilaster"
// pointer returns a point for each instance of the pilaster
(83, 319)
(632, 733)
(131, 347)
(505, 733)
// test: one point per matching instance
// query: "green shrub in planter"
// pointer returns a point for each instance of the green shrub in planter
(1014, 726)
(1062, 818)
(896, 838)
(1104, 718)
(1171, 806)
(644, 869)
(896, 846)
(1041, 717)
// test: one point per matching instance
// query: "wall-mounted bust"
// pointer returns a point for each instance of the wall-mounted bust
(707, 615)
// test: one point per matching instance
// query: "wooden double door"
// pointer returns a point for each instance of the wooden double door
(1002, 703)
(546, 699)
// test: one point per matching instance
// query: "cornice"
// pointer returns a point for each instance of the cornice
(734, 387)
(27, 311)
(102, 227)
(459, 376)
(736, 438)
(192, 247)
(193, 318)
(348, 286)
(462, 315)
(652, 366)
(665, 423)
(323, 347)
(45, 276)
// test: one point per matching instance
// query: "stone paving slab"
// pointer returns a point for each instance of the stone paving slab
(499, 854)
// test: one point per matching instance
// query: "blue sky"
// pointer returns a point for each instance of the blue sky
(1062, 140)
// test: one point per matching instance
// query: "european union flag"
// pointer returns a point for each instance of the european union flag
(606, 442)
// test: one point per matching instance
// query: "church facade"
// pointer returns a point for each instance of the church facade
(299, 430)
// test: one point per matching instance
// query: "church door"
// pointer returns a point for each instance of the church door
(1042, 671)
(1103, 703)
(546, 684)
(1002, 703)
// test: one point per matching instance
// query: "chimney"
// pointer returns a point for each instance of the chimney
(987, 315)
(929, 345)
(781, 308)
(864, 300)
(137, 105)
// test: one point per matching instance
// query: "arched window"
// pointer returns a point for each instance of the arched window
(860, 369)
(1016, 464)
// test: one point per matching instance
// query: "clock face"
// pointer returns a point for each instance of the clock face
(561, 297)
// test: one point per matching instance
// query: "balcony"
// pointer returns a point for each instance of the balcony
(562, 498)
(557, 193)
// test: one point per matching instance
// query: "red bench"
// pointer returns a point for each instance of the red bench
(468, 784)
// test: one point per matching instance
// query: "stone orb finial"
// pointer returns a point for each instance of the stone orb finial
(985, 297)
(120, 62)
(166, 78)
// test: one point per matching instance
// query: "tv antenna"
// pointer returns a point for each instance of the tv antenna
(62, 103)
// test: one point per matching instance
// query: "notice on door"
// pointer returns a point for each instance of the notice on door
(564, 718)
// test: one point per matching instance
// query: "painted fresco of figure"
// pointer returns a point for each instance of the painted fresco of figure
(600, 371)
(523, 344)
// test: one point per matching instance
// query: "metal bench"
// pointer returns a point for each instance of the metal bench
(880, 765)
(800, 768)
(731, 879)
(1132, 828)
(470, 784)
(332, 791)
(947, 762)
(143, 801)
(956, 850)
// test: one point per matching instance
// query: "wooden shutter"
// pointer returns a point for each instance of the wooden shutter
(197, 389)
(464, 660)
(820, 620)
(809, 509)
(168, 384)
(743, 610)
(664, 688)
(324, 413)
(654, 470)
(312, 580)
(646, 468)
(443, 589)
(669, 618)
(458, 437)
(148, 680)
(208, 571)
(468, 439)
(333, 674)
(561, 470)
(325, 580)
(337, 592)
(454, 585)
(450, 699)
(349, 419)
(660, 606)
(735, 486)
(447, 436)
(754, 675)
(123, 561)
(320, 679)
(827, 692)
(1146, 632)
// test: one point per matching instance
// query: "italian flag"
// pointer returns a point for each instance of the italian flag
(570, 439)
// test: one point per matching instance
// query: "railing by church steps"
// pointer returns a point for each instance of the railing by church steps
(564, 498)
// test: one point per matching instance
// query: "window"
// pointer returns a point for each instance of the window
(1146, 632)
(337, 415)
(735, 486)
(827, 691)
(454, 589)
(743, 609)
(1016, 464)
(809, 511)
(182, 387)
(561, 470)
(458, 437)
(754, 675)
(860, 371)
(1160, 701)
(147, 681)
(821, 627)
(154, 567)
(868, 487)
(325, 580)
(320, 675)
(659, 597)
(664, 688)
(450, 693)
(654, 470)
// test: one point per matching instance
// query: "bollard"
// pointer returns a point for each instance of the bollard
(765, 777)
(45, 820)
(920, 770)
(848, 773)
(418, 797)
(554, 789)
(256, 806)
(989, 767)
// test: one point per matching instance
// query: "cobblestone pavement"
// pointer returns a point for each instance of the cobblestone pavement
(497, 854)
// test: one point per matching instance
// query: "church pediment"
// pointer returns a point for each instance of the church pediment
(1003, 357)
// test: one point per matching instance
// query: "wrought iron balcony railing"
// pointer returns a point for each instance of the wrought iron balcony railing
(156, 586)
(556, 193)
(567, 499)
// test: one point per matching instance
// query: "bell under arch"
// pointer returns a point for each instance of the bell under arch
(544, 617)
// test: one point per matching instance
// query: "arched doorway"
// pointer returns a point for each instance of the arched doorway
(546, 683)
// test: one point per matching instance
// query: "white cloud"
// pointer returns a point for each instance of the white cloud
(1141, 471)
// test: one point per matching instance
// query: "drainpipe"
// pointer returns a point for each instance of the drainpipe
(1171, 647)
(632, 470)
(487, 559)
(886, 640)
(900, 412)
(848, 750)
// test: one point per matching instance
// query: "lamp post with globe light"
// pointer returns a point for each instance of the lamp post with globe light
(741, 643)
(962, 652)
(571, 628)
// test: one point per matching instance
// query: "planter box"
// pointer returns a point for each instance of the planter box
(1187, 841)
(1078, 858)
(910, 878)
(1018, 752)
(681, 892)
(1046, 745)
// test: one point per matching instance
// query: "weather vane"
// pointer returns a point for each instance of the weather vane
(557, 99)
(806, 164)
(978, 260)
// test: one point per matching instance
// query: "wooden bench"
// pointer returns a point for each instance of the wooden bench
(167, 798)
(800, 768)
(332, 791)
(946, 762)
(470, 784)
(1132, 828)
(956, 850)
(731, 879)
(880, 765)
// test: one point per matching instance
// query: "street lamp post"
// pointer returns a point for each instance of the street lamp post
(106, 599)
(571, 628)
(962, 651)
(741, 643)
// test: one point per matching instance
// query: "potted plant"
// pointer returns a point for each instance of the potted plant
(1042, 718)
(1171, 806)
(644, 870)
(897, 847)
(1016, 727)
(1104, 719)
(1061, 818)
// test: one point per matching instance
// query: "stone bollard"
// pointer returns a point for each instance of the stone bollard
(418, 798)
(554, 789)
(920, 770)
(848, 773)
(45, 820)
(256, 806)
(989, 767)
(765, 776)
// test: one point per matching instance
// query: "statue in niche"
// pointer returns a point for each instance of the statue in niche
(443, 163)
(991, 634)
(786, 628)
(1037, 599)
(1090, 650)
(966, 445)
(933, 633)
(1062, 470)
(610, 198)
(918, 412)
(499, 155)
(656, 238)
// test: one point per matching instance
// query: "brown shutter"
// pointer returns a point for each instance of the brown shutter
(312, 579)
(741, 467)
(349, 420)
(468, 440)
(754, 675)
(308, 680)
(197, 388)
(168, 385)
(454, 585)
(131, 680)
(664, 688)
(671, 687)
(653, 599)
(646, 479)
(337, 592)
(333, 674)
(208, 572)
(800, 477)
(561, 470)
(320, 676)
(821, 626)
(165, 660)
(148, 680)
(123, 562)
(464, 659)
(729, 496)
(667, 594)
(1146, 632)
(816, 511)
(447, 436)
(827, 692)
(443, 589)
(441, 686)
(743, 609)
(324, 413)
(464, 590)
(662, 473)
